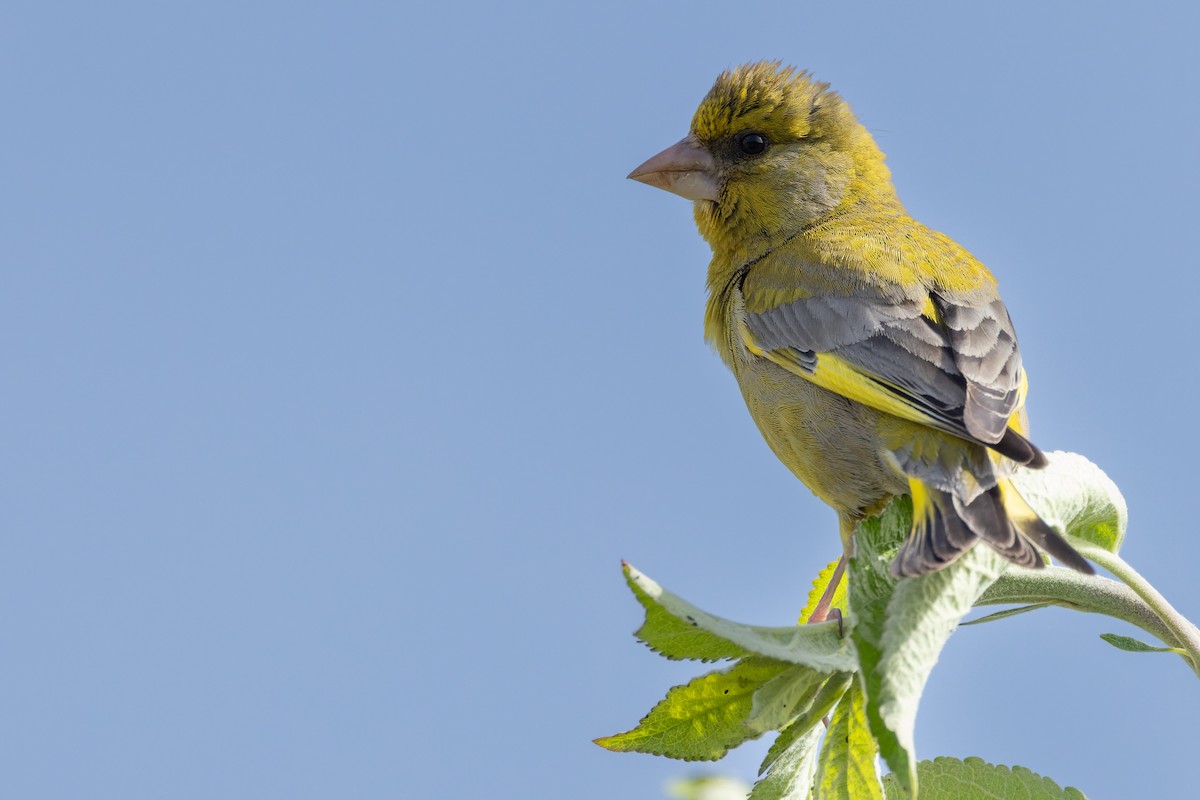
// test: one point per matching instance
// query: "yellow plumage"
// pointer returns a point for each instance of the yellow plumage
(874, 354)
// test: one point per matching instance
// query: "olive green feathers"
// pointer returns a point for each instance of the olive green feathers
(874, 354)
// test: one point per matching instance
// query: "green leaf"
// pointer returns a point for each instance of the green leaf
(1008, 612)
(1067, 588)
(846, 767)
(1131, 645)
(677, 629)
(1075, 496)
(784, 697)
(900, 635)
(828, 696)
(674, 635)
(975, 779)
(820, 583)
(703, 719)
(794, 769)
(871, 586)
(708, 787)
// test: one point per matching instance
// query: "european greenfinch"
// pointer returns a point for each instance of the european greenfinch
(874, 354)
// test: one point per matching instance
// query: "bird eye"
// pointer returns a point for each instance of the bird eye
(752, 144)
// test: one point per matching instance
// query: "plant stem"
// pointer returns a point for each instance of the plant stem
(1069, 589)
(1184, 631)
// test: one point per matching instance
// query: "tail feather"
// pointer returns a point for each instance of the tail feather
(944, 528)
(1019, 449)
(1034, 528)
(950, 537)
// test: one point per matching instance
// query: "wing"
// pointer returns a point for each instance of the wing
(950, 365)
(985, 351)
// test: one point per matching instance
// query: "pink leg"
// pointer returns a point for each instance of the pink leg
(823, 612)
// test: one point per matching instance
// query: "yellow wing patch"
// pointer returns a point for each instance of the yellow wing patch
(930, 310)
(839, 377)
(1019, 420)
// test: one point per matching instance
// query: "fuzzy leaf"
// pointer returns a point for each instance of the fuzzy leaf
(678, 629)
(1075, 496)
(827, 697)
(674, 635)
(846, 767)
(1131, 645)
(975, 779)
(1065, 587)
(871, 586)
(1008, 612)
(900, 636)
(794, 769)
(704, 718)
(784, 697)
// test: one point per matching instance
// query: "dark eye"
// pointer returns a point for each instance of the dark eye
(752, 144)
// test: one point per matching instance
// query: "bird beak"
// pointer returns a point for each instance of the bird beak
(685, 168)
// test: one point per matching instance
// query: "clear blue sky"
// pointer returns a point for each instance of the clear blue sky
(342, 365)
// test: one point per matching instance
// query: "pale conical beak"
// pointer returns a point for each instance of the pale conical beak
(685, 168)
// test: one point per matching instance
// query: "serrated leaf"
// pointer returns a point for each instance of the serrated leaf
(708, 787)
(786, 738)
(704, 718)
(1075, 496)
(846, 765)
(1008, 612)
(1131, 645)
(900, 635)
(675, 635)
(975, 779)
(678, 629)
(827, 697)
(784, 697)
(819, 585)
(793, 770)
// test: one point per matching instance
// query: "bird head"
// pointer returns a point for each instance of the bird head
(770, 152)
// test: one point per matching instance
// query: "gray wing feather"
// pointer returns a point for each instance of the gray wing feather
(985, 351)
(964, 372)
(822, 324)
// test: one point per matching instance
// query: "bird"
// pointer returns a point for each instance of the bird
(874, 354)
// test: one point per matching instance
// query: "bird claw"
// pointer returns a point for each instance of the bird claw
(836, 613)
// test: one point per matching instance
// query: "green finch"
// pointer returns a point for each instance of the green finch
(874, 354)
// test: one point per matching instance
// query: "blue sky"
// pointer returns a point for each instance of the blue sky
(343, 365)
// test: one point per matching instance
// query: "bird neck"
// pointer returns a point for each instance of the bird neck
(867, 210)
